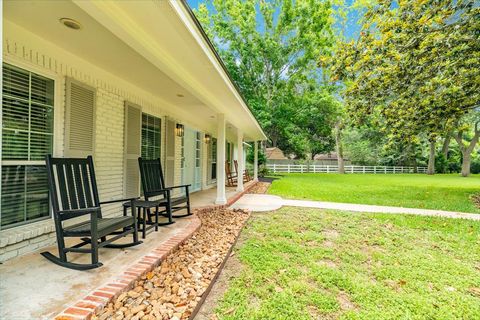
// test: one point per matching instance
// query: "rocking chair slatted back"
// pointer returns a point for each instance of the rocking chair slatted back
(228, 170)
(245, 174)
(153, 183)
(72, 185)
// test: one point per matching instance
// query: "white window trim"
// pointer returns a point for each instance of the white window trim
(58, 138)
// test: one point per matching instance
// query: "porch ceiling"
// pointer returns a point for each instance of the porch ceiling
(153, 45)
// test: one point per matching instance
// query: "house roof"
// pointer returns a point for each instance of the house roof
(275, 153)
(220, 61)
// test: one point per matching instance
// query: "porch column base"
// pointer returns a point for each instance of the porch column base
(221, 201)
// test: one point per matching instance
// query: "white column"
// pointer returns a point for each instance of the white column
(255, 161)
(240, 159)
(221, 199)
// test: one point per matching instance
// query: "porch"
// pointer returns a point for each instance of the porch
(105, 88)
(34, 288)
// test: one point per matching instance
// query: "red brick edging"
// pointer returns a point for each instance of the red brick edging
(85, 308)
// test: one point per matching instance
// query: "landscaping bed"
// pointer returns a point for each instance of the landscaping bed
(176, 286)
(260, 187)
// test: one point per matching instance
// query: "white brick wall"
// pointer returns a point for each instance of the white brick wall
(109, 142)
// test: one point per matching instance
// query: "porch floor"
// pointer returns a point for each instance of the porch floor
(31, 287)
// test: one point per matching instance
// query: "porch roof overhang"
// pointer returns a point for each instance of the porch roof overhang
(163, 49)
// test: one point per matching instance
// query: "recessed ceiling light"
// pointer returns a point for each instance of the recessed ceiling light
(70, 23)
(180, 95)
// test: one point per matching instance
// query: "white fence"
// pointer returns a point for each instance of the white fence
(304, 168)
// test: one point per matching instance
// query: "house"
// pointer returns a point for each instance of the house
(275, 153)
(116, 80)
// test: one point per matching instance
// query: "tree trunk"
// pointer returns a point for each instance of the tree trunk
(467, 159)
(467, 150)
(411, 159)
(414, 162)
(446, 144)
(431, 158)
(338, 142)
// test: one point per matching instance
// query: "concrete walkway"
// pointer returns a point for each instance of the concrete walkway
(265, 202)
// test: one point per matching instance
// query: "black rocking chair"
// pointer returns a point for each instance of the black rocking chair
(154, 189)
(73, 193)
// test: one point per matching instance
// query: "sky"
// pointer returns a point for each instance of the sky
(352, 28)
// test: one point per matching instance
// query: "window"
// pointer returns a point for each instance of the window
(27, 136)
(197, 149)
(151, 127)
(213, 174)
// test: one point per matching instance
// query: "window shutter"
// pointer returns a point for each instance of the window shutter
(132, 147)
(169, 170)
(79, 119)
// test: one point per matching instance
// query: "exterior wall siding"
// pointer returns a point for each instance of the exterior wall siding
(109, 150)
(109, 126)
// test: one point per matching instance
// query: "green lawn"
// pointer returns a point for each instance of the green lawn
(311, 264)
(442, 191)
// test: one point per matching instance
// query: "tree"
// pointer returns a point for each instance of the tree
(363, 145)
(339, 145)
(270, 48)
(416, 64)
(467, 146)
(262, 157)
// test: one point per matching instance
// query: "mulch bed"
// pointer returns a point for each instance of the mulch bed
(260, 188)
(173, 289)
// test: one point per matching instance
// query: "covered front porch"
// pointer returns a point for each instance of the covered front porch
(114, 88)
(34, 288)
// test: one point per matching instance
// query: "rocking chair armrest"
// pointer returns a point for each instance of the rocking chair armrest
(181, 186)
(120, 200)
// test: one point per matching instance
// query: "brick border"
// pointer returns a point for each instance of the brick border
(85, 308)
(235, 198)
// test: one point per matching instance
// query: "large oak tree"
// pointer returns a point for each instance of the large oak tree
(416, 64)
(271, 49)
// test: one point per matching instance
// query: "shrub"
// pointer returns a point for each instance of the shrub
(262, 158)
(475, 166)
(263, 171)
(441, 163)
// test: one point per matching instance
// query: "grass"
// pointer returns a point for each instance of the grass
(442, 191)
(310, 264)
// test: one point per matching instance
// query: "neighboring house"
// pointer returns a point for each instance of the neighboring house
(116, 80)
(275, 154)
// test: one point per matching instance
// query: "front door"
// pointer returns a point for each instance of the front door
(191, 166)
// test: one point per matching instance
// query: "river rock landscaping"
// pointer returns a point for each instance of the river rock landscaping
(175, 287)
(260, 187)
